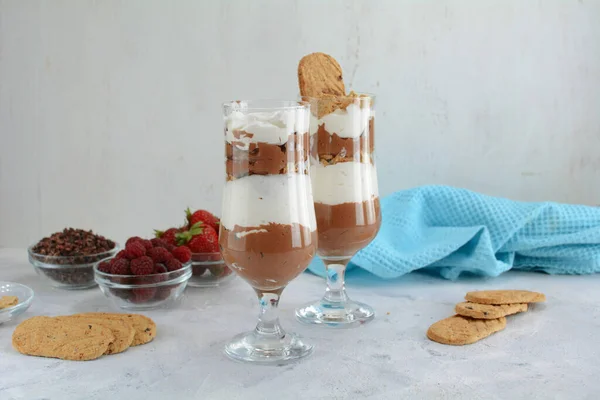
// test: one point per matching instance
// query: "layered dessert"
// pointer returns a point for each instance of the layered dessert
(344, 177)
(268, 228)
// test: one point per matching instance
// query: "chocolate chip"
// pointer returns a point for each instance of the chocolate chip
(75, 247)
(73, 243)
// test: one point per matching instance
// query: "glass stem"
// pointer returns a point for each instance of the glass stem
(336, 287)
(268, 317)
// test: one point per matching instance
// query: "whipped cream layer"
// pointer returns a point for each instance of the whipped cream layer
(243, 127)
(348, 123)
(257, 200)
(344, 182)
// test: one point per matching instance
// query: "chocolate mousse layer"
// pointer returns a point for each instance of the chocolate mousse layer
(332, 148)
(259, 158)
(346, 228)
(268, 256)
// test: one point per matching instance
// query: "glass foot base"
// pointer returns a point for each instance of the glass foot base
(348, 314)
(253, 348)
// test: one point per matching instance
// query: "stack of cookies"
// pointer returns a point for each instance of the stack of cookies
(82, 337)
(482, 314)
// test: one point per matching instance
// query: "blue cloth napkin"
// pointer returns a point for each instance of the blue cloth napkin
(451, 231)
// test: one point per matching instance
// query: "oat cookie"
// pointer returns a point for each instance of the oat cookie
(122, 330)
(67, 340)
(320, 74)
(458, 330)
(504, 297)
(8, 301)
(488, 311)
(145, 328)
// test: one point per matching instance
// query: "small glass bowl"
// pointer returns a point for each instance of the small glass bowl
(23, 293)
(209, 270)
(143, 292)
(68, 272)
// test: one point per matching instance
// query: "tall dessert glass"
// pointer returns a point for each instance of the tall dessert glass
(268, 228)
(344, 181)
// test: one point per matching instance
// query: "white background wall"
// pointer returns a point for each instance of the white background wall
(110, 110)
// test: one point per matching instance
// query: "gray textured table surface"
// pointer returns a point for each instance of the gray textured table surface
(550, 352)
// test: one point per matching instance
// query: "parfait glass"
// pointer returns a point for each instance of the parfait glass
(344, 182)
(268, 229)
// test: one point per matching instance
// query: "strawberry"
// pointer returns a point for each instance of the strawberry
(205, 243)
(168, 235)
(182, 253)
(199, 239)
(202, 216)
(219, 271)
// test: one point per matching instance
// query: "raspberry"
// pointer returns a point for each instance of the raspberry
(163, 293)
(156, 242)
(147, 244)
(142, 295)
(173, 264)
(182, 253)
(120, 266)
(159, 255)
(121, 254)
(104, 267)
(134, 250)
(171, 247)
(159, 269)
(122, 293)
(132, 239)
(168, 235)
(142, 266)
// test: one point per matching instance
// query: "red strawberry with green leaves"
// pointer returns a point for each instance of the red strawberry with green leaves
(203, 216)
(199, 239)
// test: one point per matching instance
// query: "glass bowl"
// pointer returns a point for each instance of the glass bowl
(24, 294)
(68, 272)
(209, 270)
(143, 292)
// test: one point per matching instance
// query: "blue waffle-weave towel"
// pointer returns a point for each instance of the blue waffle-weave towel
(452, 231)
